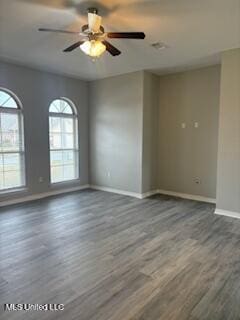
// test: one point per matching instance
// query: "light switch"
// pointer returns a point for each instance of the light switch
(196, 125)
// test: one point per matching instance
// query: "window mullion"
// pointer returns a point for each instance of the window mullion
(6, 100)
(10, 110)
(62, 115)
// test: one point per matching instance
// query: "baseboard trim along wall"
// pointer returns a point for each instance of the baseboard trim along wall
(153, 192)
(117, 191)
(122, 192)
(42, 195)
(187, 196)
(149, 194)
(227, 213)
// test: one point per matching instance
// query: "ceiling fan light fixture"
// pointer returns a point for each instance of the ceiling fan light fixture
(93, 39)
(93, 48)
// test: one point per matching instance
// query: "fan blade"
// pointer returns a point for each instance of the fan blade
(126, 35)
(58, 31)
(111, 49)
(73, 46)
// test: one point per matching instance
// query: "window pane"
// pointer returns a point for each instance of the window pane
(67, 141)
(67, 125)
(1, 180)
(9, 132)
(3, 97)
(56, 104)
(60, 106)
(54, 124)
(56, 174)
(66, 108)
(68, 157)
(11, 175)
(10, 104)
(69, 172)
(9, 122)
(1, 163)
(10, 171)
(56, 158)
(55, 141)
(12, 179)
(11, 162)
(7, 101)
(54, 108)
(10, 142)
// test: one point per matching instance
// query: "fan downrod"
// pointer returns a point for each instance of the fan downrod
(92, 10)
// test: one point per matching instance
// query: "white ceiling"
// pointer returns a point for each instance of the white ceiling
(195, 31)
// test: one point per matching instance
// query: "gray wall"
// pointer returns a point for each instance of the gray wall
(136, 142)
(150, 132)
(116, 132)
(36, 90)
(228, 179)
(186, 154)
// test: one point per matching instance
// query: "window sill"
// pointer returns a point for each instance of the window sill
(67, 183)
(13, 191)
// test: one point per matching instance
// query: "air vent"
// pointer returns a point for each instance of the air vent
(159, 45)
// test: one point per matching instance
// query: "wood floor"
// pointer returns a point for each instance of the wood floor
(111, 257)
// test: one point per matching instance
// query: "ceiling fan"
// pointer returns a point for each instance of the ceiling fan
(93, 42)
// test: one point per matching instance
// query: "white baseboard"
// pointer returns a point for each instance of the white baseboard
(42, 195)
(122, 192)
(187, 196)
(227, 213)
(112, 190)
(149, 194)
(125, 193)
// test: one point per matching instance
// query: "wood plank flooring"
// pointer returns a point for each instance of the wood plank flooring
(111, 257)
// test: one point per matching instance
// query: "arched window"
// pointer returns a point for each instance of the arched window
(12, 169)
(63, 140)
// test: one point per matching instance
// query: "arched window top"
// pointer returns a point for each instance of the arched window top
(63, 106)
(8, 100)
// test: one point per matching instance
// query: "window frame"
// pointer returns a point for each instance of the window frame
(75, 149)
(17, 111)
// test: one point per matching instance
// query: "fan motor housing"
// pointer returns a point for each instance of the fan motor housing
(85, 29)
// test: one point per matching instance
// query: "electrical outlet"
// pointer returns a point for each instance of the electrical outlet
(197, 181)
(40, 179)
(196, 125)
(183, 125)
